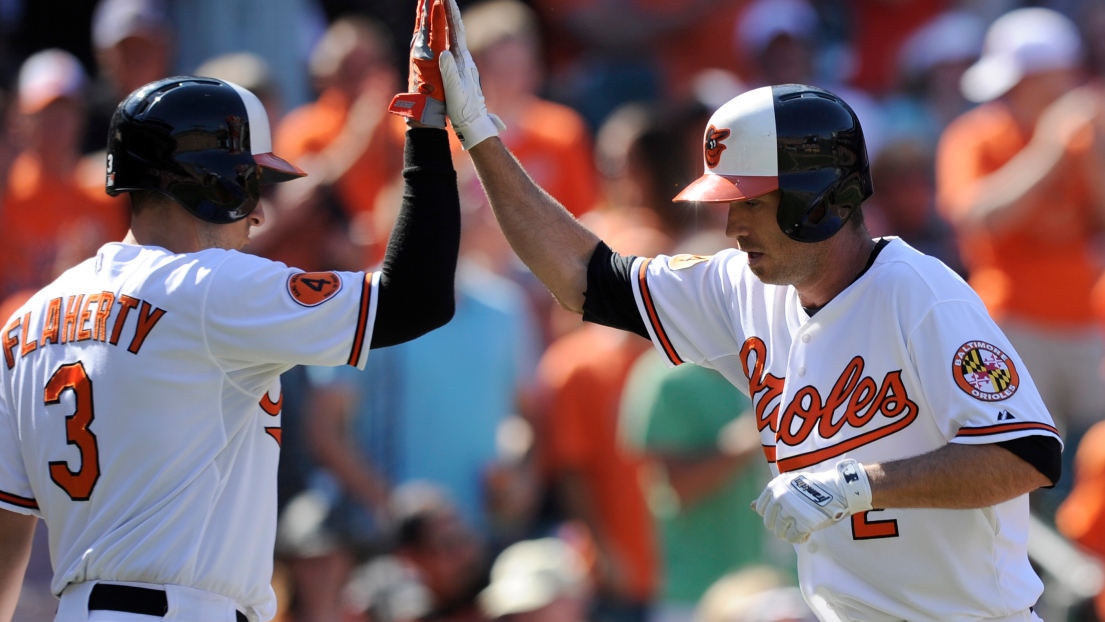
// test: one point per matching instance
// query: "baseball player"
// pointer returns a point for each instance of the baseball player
(903, 429)
(139, 392)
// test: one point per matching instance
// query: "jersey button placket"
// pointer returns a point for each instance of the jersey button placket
(802, 369)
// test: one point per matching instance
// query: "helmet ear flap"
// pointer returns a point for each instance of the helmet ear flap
(823, 156)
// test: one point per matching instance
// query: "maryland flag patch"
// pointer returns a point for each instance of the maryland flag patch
(985, 372)
(313, 288)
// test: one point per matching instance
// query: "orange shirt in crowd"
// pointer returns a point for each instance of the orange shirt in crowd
(49, 224)
(554, 146)
(585, 372)
(1042, 270)
(311, 128)
(1081, 516)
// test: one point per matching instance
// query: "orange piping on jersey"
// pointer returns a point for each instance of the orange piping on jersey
(276, 433)
(1006, 427)
(271, 407)
(653, 317)
(147, 319)
(362, 320)
(802, 461)
(769, 453)
(22, 502)
(126, 303)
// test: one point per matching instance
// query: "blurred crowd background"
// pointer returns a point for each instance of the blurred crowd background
(518, 464)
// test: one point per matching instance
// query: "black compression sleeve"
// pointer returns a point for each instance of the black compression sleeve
(1042, 452)
(609, 296)
(416, 280)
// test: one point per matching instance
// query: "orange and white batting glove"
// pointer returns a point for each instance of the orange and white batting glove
(425, 100)
(463, 96)
(794, 505)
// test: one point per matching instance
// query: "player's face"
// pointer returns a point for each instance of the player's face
(772, 256)
(232, 236)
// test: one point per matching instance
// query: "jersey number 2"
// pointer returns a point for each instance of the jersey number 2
(863, 528)
(77, 484)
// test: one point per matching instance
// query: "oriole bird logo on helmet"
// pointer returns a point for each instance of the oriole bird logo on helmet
(714, 147)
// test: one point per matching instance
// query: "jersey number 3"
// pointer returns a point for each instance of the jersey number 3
(77, 484)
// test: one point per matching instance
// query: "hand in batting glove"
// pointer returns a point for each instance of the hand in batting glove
(425, 102)
(463, 95)
(795, 504)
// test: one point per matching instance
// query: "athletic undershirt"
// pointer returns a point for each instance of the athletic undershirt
(416, 280)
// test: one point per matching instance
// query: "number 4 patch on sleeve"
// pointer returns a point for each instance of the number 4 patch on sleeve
(311, 289)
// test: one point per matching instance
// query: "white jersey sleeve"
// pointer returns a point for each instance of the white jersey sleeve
(689, 304)
(977, 388)
(259, 311)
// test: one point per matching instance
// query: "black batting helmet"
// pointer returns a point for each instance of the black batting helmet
(204, 142)
(800, 139)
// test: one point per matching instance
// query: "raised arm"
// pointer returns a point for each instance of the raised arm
(547, 238)
(416, 279)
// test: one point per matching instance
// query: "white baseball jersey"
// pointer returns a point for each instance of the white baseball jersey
(140, 410)
(903, 361)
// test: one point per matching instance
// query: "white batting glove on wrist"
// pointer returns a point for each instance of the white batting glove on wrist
(463, 96)
(796, 504)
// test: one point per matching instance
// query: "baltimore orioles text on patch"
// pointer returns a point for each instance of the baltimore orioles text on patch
(311, 289)
(984, 371)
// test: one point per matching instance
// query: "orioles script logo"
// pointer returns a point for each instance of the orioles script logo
(853, 402)
(714, 147)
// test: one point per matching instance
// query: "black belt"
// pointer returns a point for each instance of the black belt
(131, 599)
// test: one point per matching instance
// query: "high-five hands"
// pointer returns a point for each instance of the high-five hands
(463, 95)
(443, 78)
(425, 100)
(796, 504)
